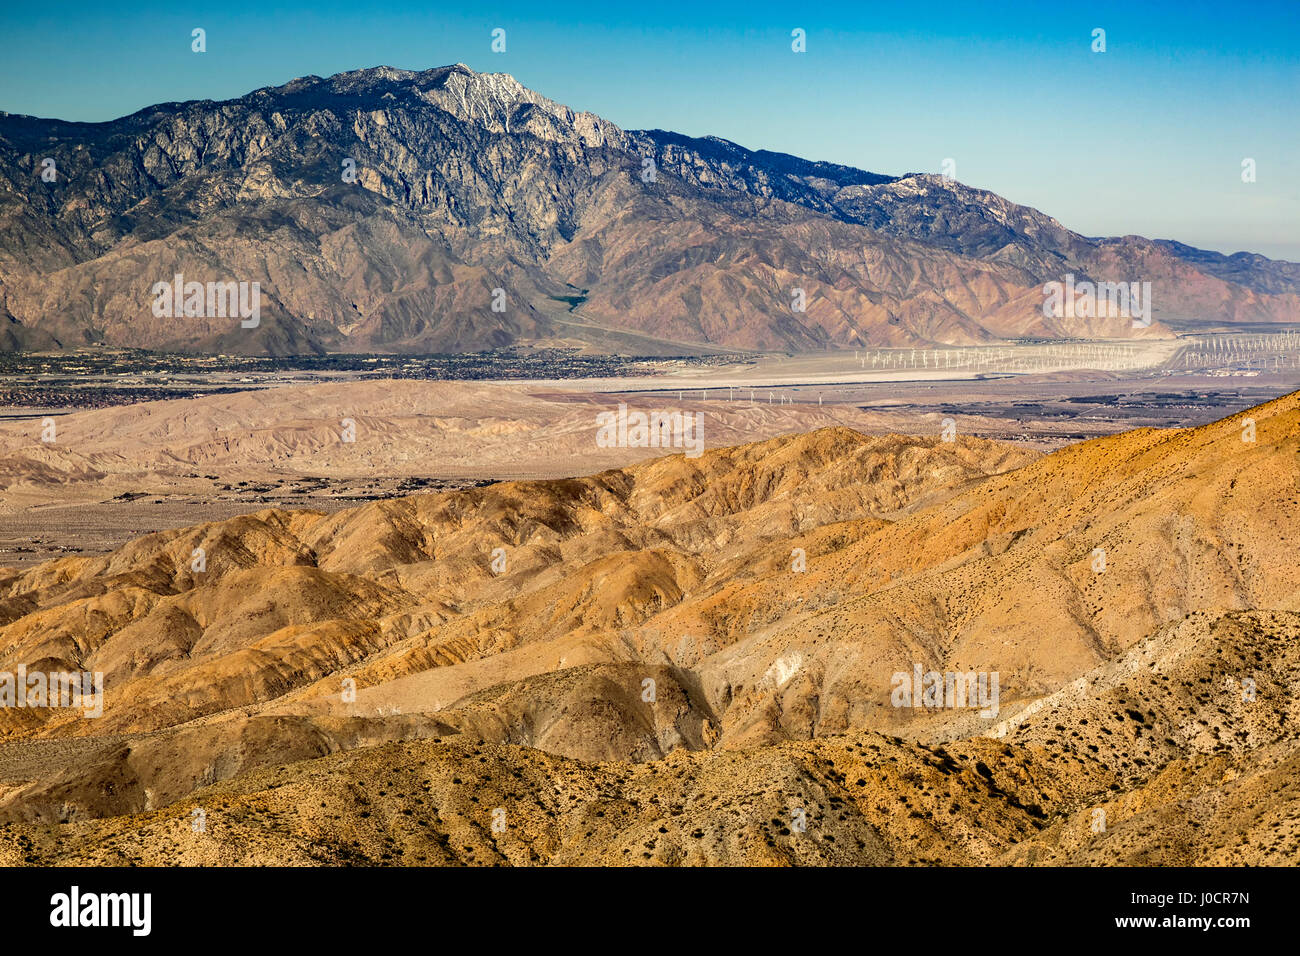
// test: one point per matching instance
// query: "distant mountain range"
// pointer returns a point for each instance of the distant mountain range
(382, 209)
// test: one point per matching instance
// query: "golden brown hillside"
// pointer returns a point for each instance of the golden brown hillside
(689, 646)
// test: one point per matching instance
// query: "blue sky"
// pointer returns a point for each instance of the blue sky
(1145, 138)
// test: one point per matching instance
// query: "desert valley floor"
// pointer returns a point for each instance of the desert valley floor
(473, 636)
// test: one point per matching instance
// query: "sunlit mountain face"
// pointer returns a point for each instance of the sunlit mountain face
(449, 210)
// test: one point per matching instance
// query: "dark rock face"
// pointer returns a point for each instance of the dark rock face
(380, 210)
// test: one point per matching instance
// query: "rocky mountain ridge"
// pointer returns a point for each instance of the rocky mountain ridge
(382, 209)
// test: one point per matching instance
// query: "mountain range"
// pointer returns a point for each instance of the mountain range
(381, 210)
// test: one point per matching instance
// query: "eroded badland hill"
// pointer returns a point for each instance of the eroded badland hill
(693, 660)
